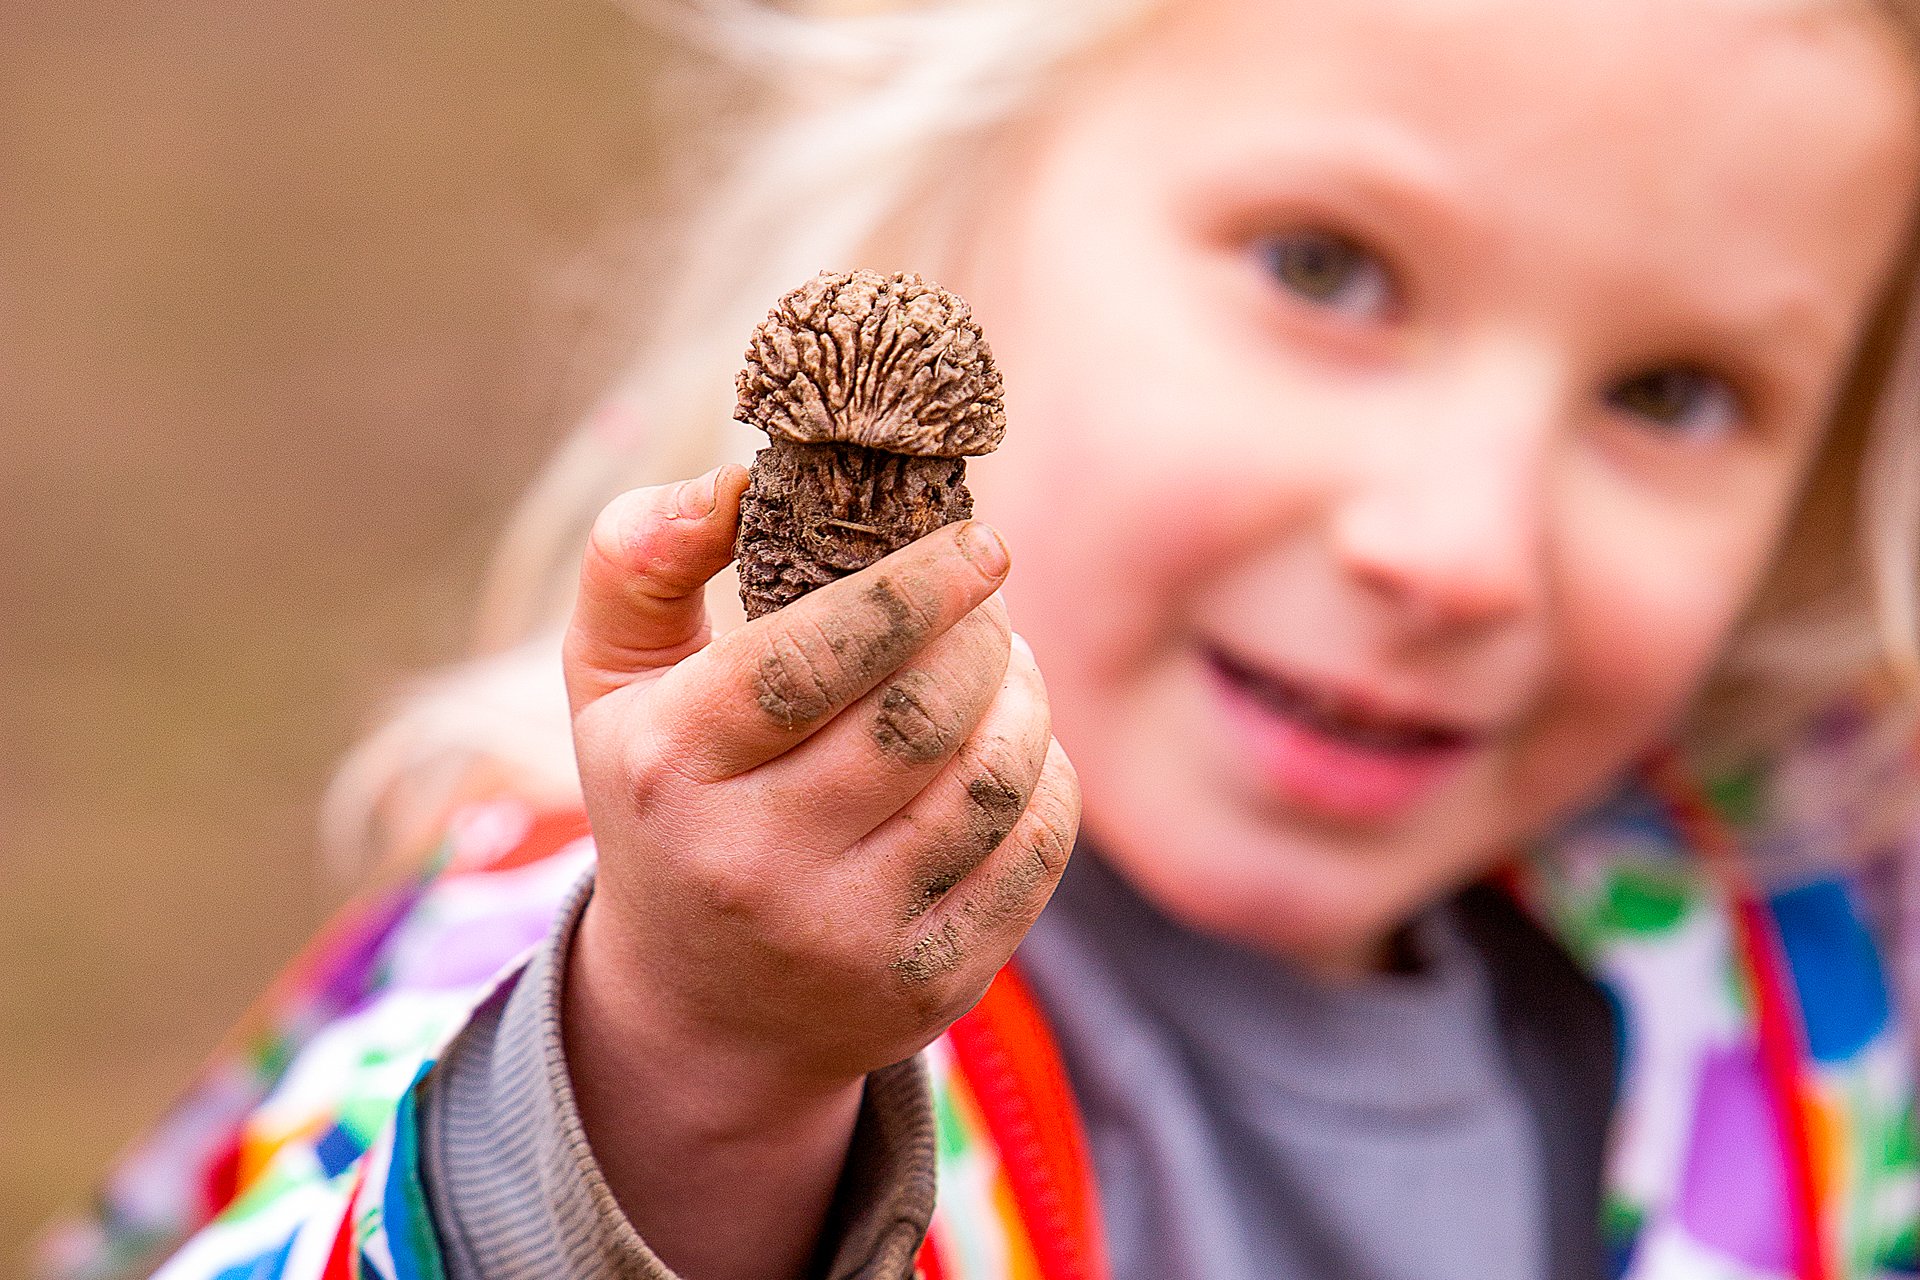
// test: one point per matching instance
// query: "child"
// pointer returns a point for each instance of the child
(1431, 421)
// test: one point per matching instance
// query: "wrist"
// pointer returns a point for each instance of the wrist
(679, 1122)
(674, 1069)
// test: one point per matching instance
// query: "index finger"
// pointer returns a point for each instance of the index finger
(767, 685)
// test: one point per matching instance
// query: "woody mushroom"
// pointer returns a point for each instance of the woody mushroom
(872, 390)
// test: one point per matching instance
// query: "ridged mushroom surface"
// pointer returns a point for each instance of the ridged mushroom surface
(886, 362)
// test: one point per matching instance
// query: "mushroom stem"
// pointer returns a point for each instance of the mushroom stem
(816, 512)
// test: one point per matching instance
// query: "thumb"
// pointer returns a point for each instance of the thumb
(641, 605)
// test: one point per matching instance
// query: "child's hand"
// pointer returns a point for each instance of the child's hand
(820, 836)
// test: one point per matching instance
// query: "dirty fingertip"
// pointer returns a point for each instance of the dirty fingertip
(695, 498)
(982, 545)
(730, 481)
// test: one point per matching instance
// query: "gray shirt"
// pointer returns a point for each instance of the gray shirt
(1247, 1121)
(1244, 1120)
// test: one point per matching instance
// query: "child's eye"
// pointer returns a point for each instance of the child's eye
(1679, 400)
(1330, 271)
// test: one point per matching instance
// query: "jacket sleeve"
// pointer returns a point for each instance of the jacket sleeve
(513, 1184)
(324, 1174)
(348, 1128)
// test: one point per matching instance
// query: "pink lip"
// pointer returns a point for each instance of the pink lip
(1328, 776)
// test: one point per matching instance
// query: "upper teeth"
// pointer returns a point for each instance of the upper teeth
(1328, 713)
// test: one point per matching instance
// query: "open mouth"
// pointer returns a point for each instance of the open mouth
(1343, 720)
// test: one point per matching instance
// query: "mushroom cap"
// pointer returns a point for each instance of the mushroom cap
(889, 362)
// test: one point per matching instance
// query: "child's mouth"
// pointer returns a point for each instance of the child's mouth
(1329, 752)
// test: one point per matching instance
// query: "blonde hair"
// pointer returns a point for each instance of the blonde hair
(851, 122)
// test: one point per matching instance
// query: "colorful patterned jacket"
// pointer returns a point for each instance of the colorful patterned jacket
(1765, 1125)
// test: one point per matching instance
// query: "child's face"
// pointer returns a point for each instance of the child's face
(1405, 398)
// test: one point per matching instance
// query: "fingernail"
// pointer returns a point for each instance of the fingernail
(1020, 643)
(982, 545)
(695, 498)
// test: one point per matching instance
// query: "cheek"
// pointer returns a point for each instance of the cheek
(1647, 606)
(1123, 482)
(1643, 647)
(1120, 498)
(1102, 561)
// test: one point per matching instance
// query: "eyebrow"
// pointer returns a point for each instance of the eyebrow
(1384, 168)
(1783, 342)
(1790, 319)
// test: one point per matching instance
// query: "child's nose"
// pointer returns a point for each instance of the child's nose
(1450, 527)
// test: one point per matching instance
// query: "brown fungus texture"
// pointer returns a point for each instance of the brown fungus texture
(872, 390)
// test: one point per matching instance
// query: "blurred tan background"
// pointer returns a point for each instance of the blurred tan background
(292, 301)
